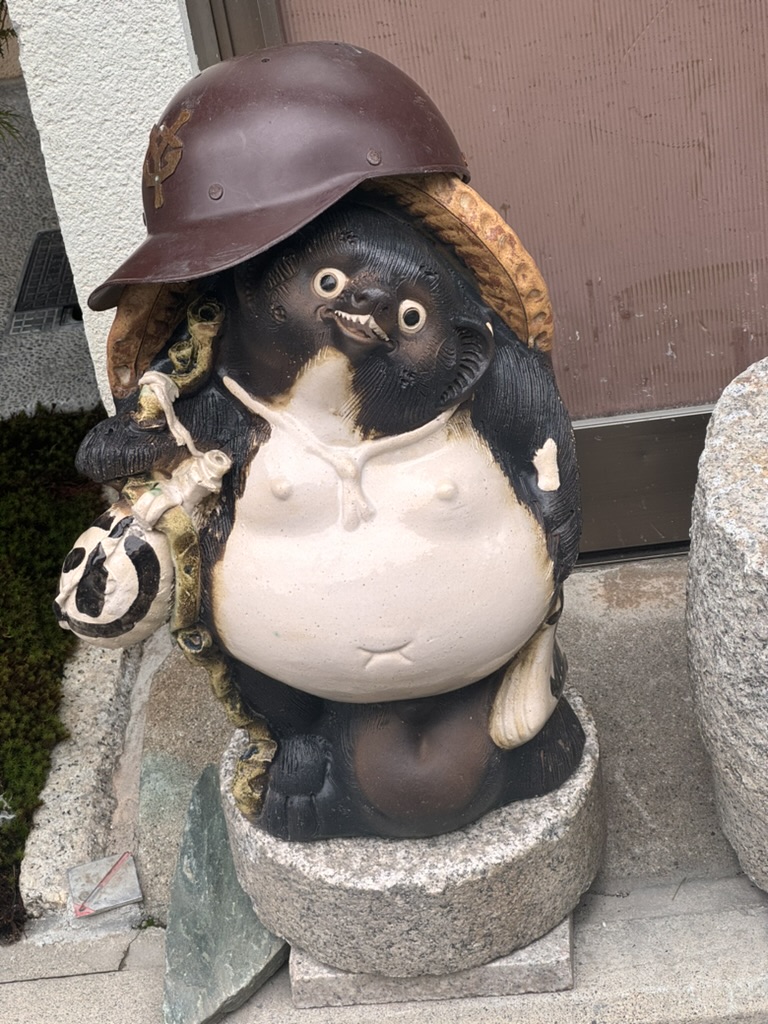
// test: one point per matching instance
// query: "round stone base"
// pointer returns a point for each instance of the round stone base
(406, 907)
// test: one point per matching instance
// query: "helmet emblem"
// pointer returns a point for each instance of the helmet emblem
(164, 152)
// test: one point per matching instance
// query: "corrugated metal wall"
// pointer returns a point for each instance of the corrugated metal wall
(626, 143)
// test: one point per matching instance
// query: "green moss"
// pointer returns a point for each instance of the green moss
(44, 506)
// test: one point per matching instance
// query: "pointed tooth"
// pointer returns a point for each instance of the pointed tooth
(375, 329)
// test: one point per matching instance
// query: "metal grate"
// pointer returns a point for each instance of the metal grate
(47, 295)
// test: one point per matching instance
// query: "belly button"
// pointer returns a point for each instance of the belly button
(281, 488)
(446, 491)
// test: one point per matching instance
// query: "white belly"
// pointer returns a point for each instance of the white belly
(417, 576)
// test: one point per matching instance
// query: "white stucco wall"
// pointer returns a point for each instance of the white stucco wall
(98, 74)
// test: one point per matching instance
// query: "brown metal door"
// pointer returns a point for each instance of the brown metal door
(625, 141)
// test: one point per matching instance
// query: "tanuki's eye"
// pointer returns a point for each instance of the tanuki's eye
(328, 282)
(411, 316)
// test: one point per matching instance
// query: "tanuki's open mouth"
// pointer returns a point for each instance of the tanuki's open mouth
(360, 327)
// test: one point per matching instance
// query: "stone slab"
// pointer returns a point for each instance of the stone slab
(128, 993)
(28, 960)
(414, 906)
(728, 612)
(543, 966)
(217, 952)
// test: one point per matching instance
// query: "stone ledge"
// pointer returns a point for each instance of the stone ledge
(72, 825)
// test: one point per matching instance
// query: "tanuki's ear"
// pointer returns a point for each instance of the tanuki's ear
(476, 350)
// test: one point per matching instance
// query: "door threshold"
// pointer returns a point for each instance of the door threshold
(679, 549)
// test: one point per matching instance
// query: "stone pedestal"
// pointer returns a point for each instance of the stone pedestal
(545, 965)
(408, 907)
(728, 613)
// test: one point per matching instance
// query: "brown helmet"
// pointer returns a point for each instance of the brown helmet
(253, 148)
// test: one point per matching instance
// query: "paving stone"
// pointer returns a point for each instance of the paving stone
(623, 630)
(29, 960)
(217, 951)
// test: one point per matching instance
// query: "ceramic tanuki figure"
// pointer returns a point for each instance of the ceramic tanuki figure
(346, 472)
